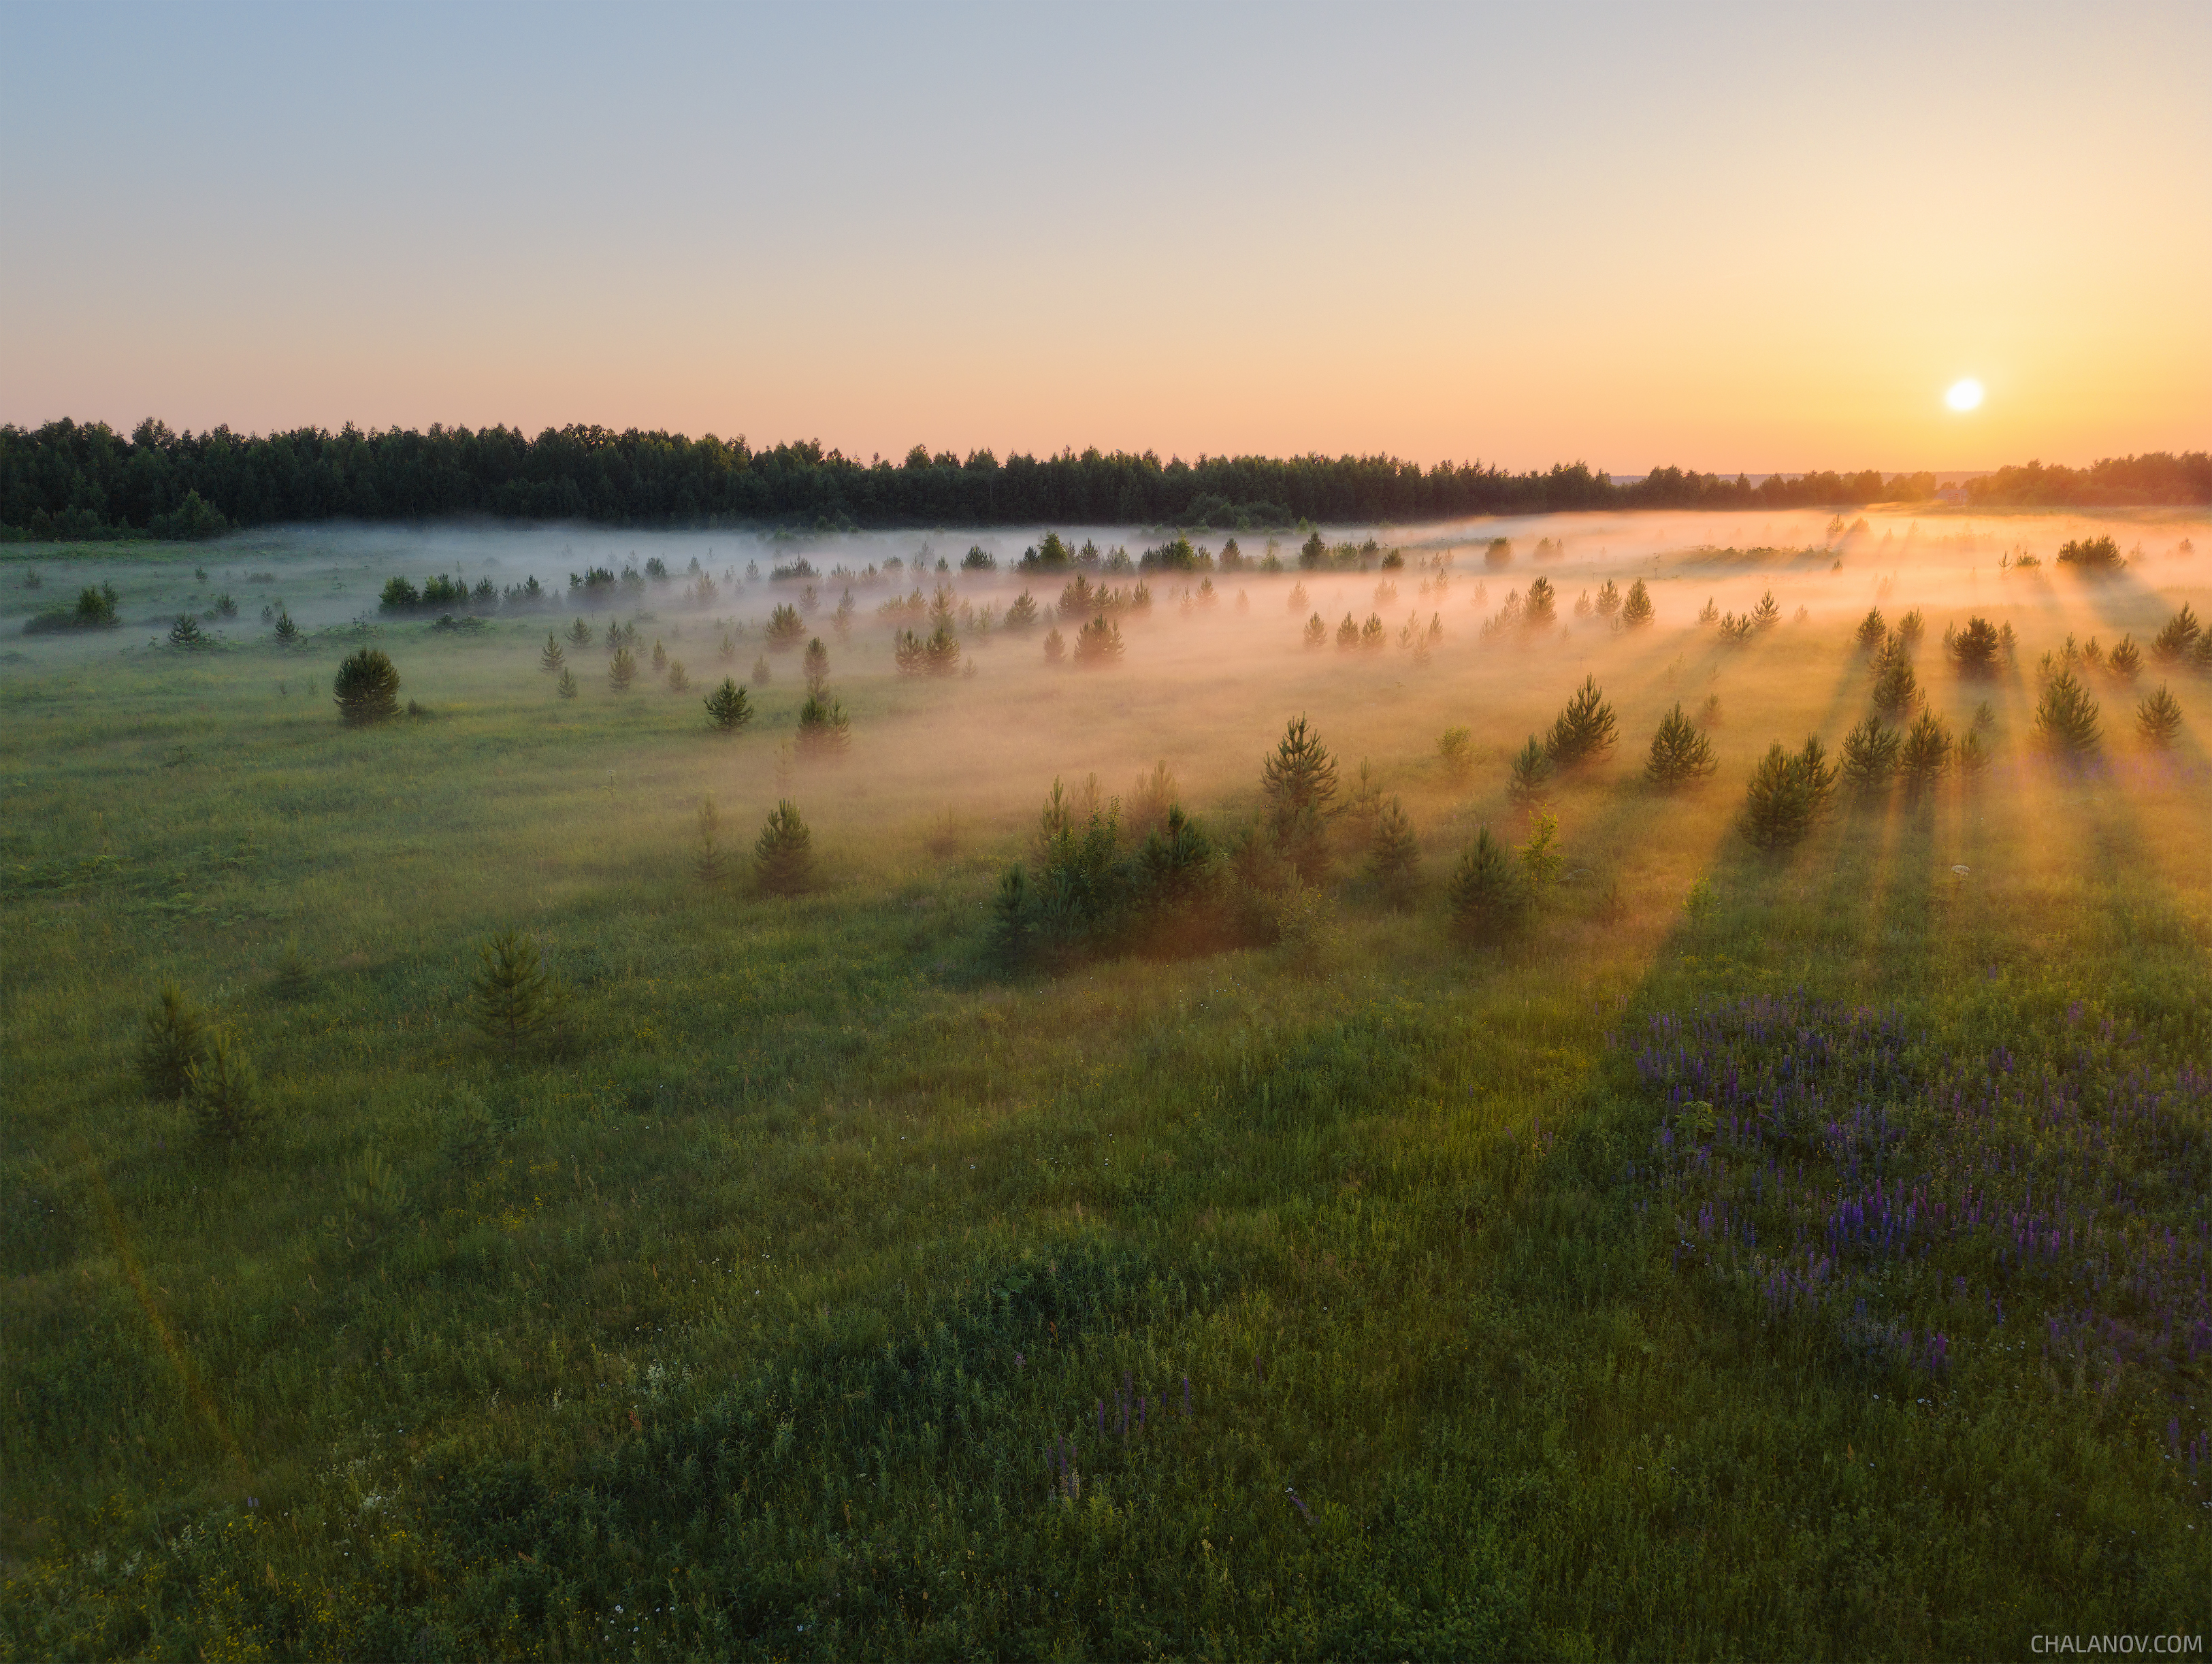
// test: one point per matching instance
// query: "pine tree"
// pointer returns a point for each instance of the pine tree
(1540, 609)
(621, 670)
(659, 656)
(824, 731)
(368, 689)
(1607, 604)
(1055, 648)
(566, 687)
(1372, 636)
(1585, 731)
(784, 857)
(1012, 925)
(579, 634)
(1977, 648)
(1637, 610)
(224, 1095)
(1869, 754)
(1022, 614)
(1680, 754)
(2178, 637)
(1767, 614)
(1299, 783)
(186, 633)
(1455, 746)
(726, 648)
(1926, 752)
(679, 679)
(762, 676)
(1532, 774)
(288, 633)
(1540, 857)
(727, 708)
(2158, 719)
(1316, 634)
(1910, 628)
(1488, 897)
(1347, 634)
(1785, 795)
(1896, 688)
(174, 1039)
(1394, 857)
(1872, 631)
(2125, 660)
(818, 666)
(510, 995)
(552, 658)
(785, 627)
(2066, 717)
(706, 861)
(1710, 613)
(941, 653)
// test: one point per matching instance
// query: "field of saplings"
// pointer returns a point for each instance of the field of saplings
(1603, 1089)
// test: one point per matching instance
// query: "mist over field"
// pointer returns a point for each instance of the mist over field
(952, 1153)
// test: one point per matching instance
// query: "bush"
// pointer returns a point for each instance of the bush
(1926, 752)
(1636, 611)
(1869, 754)
(1456, 747)
(511, 997)
(2178, 637)
(2093, 553)
(784, 857)
(1394, 860)
(1787, 793)
(622, 669)
(367, 687)
(2066, 717)
(225, 1098)
(1977, 649)
(727, 708)
(1098, 643)
(1488, 896)
(2158, 718)
(1531, 775)
(174, 1040)
(1681, 756)
(551, 658)
(825, 730)
(1585, 731)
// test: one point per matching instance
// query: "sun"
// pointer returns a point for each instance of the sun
(1963, 395)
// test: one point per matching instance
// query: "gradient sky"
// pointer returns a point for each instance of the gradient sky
(1721, 235)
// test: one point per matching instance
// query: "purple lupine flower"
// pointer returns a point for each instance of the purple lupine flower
(1186, 1396)
(1298, 1503)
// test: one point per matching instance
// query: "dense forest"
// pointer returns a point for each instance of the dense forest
(73, 480)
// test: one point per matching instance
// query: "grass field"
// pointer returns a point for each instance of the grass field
(1795, 1254)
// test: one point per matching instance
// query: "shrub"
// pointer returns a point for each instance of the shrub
(817, 666)
(1316, 632)
(1977, 648)
(174, 1038)
(783, 857)
(2178, 637)
(2125, 660)
(367, 687)
(785, 627)
(1788, 792)
(1926, 752)
(1681, 756)
(1531, 774)
(1767, 614)
(1395, 858)
(622, 669)
(510, 996)
(1056, 649)
(1456, 747)
(1488, 897)
(1869, 754)
(185, 632)
(2091, 553)
(2066, 717)
(1637, 610)
(1585, 731)
(727, 708)
(551, 660)
(825, 730)
(225, 1098)
(1098, 642)
(2158, 718)
(566, 687)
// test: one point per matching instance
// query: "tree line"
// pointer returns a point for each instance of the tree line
(84, 480)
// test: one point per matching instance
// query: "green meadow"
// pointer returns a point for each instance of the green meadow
(1793, 1252)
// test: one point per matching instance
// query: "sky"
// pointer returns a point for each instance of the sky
(1722, 236)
